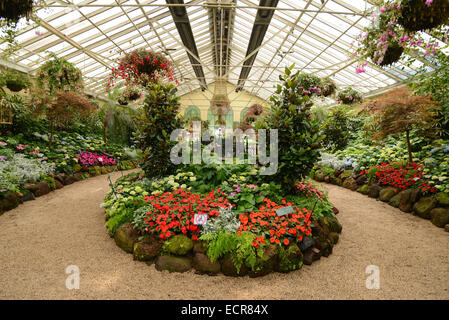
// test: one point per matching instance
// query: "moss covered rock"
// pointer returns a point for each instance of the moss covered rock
(333, 237)
(335, 180)
(442, 199)
(229, 269)
(103, 170)
(334, 224)
(311, 255)
(147, 249)
(10, 201)
(42, 189)
(290, 259)
(363, 189)
(387, 193)
(350, 184)
(200, 246)
(423, 207)
(178, 245)
(203, 265)
(373, 191)
(406, 203)
(319, 176)
(125, 236)
(395, 200)
(267, 263)
(77, 168)
(439, 217)
(173, 264)
(361, 179)
(346, 174)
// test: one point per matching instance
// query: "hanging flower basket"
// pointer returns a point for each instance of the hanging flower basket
(418, 15)
(122, 101)
(142, 67)
(329, 87)
(13, 10)
(392, 55)
(349, 96)
(15, 86)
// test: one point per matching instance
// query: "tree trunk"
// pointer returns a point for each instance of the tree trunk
(105, 139)
(409, 146)
(52, 129)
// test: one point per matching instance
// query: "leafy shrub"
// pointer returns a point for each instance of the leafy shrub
(240, 246)
(18, 170)
(298, 133)
(337, 129)
(225, 222)
(158, 121)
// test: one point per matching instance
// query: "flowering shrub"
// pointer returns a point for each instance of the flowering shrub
(141, 67)
(276, 229)
(172, 213)
(89, 159)
(308, 189)
(399, 175)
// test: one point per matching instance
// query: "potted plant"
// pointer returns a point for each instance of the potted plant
(13, 10)
(329, 87)
(418, 15)
(14, 80)
(122, 101)
(349, 96)
(142, 67)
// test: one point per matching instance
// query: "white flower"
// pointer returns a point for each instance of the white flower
(192, 179)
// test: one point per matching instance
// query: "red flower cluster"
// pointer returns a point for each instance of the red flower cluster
(400, 176)
(309, 189)
(140, 67)
(276, 229)
(173, 212)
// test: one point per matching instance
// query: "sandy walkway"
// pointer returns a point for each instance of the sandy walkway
(39, 239)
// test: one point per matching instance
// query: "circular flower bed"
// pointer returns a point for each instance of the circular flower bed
(159, 226)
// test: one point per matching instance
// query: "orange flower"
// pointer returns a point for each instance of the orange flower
(272, 239)
(286, 242)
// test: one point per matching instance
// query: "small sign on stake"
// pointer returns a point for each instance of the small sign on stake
(200, 219)
(285, 210)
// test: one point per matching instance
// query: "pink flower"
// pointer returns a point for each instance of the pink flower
(383, 9)
(429, 2)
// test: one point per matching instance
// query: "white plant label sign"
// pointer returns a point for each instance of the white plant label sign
(200, 219)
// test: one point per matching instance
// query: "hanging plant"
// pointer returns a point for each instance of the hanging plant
(122, 101)
(391, 55)
(329, 87)
(309, 83)
(349, 96)
(131, 94)
(419, 15)
(219, 105)
(14, 80)
(142, 67)
(13, 10)
(386, 40)
(59, 74)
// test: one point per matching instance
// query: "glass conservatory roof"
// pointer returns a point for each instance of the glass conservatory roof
(247, 42)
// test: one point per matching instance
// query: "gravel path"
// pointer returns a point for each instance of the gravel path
(39, 239)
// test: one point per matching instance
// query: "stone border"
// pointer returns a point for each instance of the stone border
(434, 208)
(13, 199)
(181, 254)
